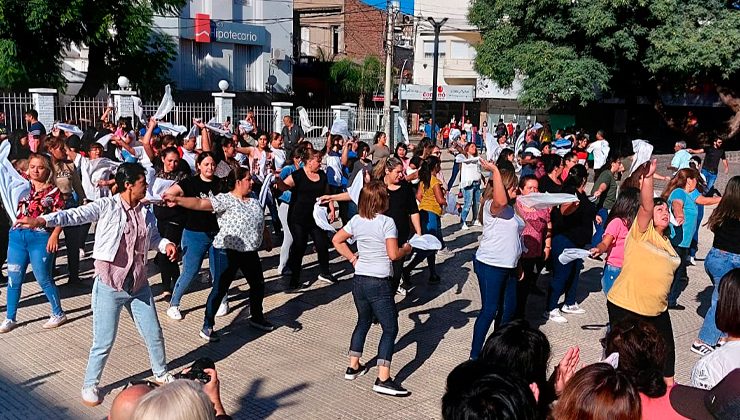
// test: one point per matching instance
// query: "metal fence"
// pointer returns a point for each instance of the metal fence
(14, 105)
(183, 113)
(369, 121)
(83, 111)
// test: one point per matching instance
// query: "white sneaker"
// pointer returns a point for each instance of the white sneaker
(556, 316)
(477, 223)
(174, 313)
(692, 261)
(164, 379)
(573, 309)
(445, 253)
(55, 321)
(223, 308)
(401, 291)
(90, 396)
(464, 226)
(7, 326)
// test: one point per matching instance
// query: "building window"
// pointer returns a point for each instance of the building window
(461, 50)
(335, 40)
(305, 41)
(429, 50)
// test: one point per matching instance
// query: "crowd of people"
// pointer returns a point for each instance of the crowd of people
(229, 192)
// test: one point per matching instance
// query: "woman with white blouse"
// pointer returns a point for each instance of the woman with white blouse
(470, 180)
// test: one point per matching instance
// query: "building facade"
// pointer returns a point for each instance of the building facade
(245, 42)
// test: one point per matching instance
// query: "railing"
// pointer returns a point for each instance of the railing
(183, 113)
(14, 105)
(369, 121)
(83, 112)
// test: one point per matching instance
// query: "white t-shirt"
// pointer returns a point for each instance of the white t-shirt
(500, 244)
(600, 149)
(240, 222)
(189, 157)
(371, 234)
(712, 368)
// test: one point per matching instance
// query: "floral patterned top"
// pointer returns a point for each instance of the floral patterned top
(37, 203)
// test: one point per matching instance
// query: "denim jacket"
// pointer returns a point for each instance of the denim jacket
(109, 214)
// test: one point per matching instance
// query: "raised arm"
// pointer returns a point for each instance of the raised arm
(645, 213)
(146, 141)
(500, 197)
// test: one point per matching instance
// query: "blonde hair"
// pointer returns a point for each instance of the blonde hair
(182, 399)
(509, 180)
(46, 162)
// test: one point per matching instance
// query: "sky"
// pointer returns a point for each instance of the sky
(407, 6)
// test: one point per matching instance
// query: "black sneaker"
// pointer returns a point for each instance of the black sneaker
(327, 278)
(434, 279)
(352, 374)
(261, 324)
(676, 307)
(388, 387)
(209, 335)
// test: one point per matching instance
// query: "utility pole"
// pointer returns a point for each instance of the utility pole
(437, 28)
(393, 6)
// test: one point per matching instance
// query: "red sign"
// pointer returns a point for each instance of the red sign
(202, 27)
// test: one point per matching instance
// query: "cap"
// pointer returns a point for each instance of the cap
(720, 402)
(74, 142)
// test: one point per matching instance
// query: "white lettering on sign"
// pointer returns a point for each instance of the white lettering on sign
(236, 36)
(450, 93)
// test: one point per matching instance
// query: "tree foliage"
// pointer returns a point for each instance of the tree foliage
(119, 33)
(356, 79)
(577, 51)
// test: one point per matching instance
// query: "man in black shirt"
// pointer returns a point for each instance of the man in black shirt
(292, 134)
(713, 156)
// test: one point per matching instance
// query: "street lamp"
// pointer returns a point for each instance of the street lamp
(437, 29)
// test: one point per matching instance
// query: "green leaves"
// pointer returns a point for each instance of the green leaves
(357, 79)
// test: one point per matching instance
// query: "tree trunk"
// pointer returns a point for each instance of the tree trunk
(732, 101)
(96, 72)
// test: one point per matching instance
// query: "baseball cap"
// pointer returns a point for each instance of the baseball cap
(720, 402)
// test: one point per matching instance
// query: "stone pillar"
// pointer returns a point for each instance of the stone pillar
(395, 136)
(224, 103)
(123, 102)
(341, 112)
(352, 120)
(280, 110)
(43, 103)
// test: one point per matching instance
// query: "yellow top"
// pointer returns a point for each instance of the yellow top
(428, 201)
(647, 273)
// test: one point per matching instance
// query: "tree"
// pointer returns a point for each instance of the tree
(119, 34)
(578, 51)
(357, 79)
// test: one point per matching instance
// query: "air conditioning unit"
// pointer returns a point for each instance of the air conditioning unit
(278, 54)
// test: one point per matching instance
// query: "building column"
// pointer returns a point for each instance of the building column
(395, 136)
(43, 103)
(352, 116)
(123, 102)
(341, 112)
(280, 110)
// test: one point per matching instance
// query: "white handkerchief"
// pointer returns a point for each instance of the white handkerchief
(572, 254)
(157, 188)
(12, 185)
(103, 141)
(69, 128)
(643, 150)
(451, 203)
(356, 187)
(166, 105)
(612, 359)
(169, 128)
(546, 200)
(321, 217)
(425, 242)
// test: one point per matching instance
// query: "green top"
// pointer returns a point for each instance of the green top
(608, 197)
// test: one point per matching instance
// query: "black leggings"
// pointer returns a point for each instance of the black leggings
(531, 268)
(169, 270)
(301, 232)
(74, 239)
(251, 266)
(661, 322)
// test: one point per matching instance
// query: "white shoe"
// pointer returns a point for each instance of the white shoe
(573, 309)
(174, 313)
(477, 223)
(401, 291)
(692, 261)
(55, 321)
(445, 253)
(164, 379)
(556, 316)
(7, 326)
(464, 226)
(223, 308)
(90, 396)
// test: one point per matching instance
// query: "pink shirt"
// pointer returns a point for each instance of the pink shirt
(659, 408)
(535, 228)
(131, 254)
(615, 253)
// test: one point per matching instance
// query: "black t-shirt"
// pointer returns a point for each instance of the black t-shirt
(401, 205)
(712, 158)
(577, 226)
(548, 185)
(725, 236)
(303, 197)
(194, 186)
(359, 165)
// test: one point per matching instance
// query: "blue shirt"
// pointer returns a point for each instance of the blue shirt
(681, 159)
(690, 214)
(428, 131)
(284, 173)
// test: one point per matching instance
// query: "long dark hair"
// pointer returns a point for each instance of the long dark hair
(626, 206)
(427, 168)
(729, 207)
(236, 174)
(577, 175)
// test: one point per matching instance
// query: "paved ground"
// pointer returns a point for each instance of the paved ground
(296, 371)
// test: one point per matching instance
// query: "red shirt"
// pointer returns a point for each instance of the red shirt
(40, 202)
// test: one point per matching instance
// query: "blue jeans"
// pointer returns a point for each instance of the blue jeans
(455, 171)
(599, 227)
(679, 276)
(471, 195)
(106, 304)
(194, 248)
(497, 289)
(610, 275)
(29, 246)
(711, 179)
(374, 297)
(565, 276)
(717, 264)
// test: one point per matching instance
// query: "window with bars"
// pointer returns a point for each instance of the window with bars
(429, 49)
